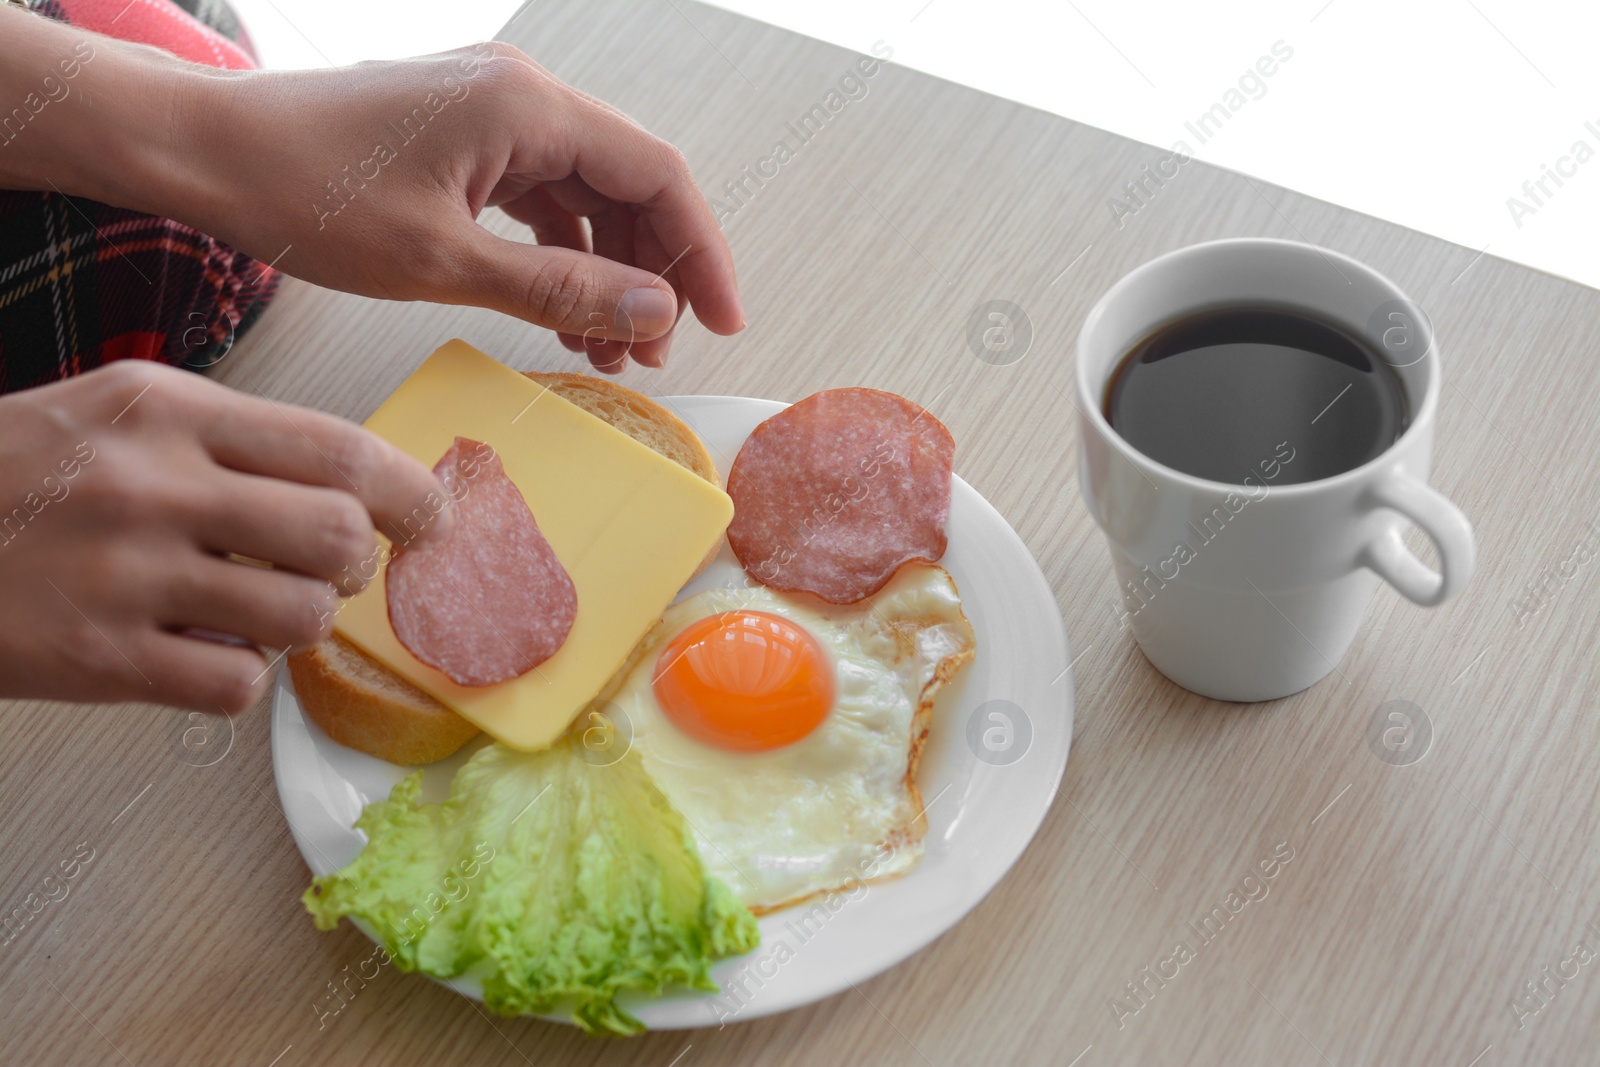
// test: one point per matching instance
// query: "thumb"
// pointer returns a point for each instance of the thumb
(561, 289)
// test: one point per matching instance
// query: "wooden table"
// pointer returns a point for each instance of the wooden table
(1419, 899)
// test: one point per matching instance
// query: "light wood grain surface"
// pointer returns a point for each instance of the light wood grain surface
(1419, 900)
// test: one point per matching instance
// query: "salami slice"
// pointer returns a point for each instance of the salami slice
(491, 601)
(833, 494)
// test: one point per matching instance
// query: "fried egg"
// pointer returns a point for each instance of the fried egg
(787, 730)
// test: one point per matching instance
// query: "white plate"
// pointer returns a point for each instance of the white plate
(982, 812)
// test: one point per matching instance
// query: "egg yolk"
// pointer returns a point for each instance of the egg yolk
(744, 680)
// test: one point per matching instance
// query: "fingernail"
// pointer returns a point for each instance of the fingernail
(647, 310)
(217, 637)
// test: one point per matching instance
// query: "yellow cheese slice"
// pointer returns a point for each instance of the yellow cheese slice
(629, 525)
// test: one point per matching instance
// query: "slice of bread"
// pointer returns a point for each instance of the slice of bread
(636, 415)
(363, 705)
(642, 419)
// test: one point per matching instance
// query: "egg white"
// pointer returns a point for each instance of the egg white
(840, 806)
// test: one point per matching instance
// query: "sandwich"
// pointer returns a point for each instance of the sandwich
(364, 705)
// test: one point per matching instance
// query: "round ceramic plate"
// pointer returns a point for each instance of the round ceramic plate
(995, 754)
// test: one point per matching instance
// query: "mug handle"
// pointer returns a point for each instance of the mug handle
(1443, 522)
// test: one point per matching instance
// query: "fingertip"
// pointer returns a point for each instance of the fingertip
(724, 322)
(611, 357)
(709, 286)
(652, 354)
(653, 360)
(441, 514)
(425, 510)
(608, 363)
(205, 675)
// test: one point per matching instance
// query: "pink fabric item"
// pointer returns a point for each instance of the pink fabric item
(163, 25)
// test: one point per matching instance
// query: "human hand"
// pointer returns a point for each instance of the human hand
(377, 173)
(371, 179)
(124, 490)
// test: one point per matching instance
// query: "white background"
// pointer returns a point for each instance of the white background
(1428, 113)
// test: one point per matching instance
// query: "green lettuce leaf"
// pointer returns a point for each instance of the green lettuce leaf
(569, 882)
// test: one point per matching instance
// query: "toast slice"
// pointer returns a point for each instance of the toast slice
(636, 415)
(363, 705)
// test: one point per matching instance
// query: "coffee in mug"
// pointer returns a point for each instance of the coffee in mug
(1212, 393)
(1256, 424)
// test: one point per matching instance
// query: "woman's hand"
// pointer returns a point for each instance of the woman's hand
(123, 491)
(370, 179)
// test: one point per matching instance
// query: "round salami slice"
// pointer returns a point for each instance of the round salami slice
(490, 601)
(833, 494)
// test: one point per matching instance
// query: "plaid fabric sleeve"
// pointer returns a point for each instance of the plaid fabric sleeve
(83, 283)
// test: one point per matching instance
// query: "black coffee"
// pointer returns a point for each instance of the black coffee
(1221, 394)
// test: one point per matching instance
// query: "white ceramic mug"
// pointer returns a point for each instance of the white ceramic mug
(1255, 591)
